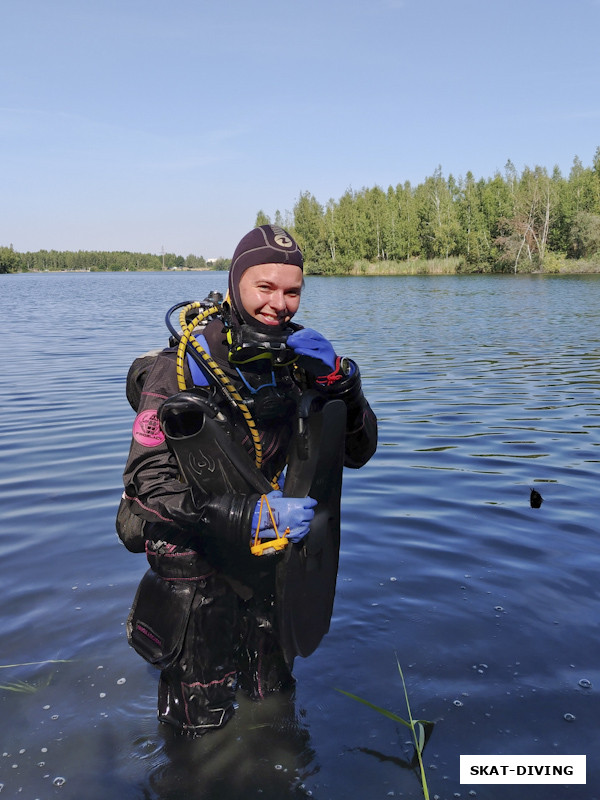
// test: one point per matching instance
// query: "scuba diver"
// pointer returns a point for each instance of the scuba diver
(233, 484)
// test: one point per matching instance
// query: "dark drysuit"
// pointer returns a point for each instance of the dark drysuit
(204, 611)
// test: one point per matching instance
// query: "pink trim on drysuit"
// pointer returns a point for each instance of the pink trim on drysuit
(203, 686)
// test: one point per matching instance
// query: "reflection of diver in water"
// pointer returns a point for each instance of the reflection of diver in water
(242, 568)
(265, 751)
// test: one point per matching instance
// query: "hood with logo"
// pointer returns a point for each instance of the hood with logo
(267, 244)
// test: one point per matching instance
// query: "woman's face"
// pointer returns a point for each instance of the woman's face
(271, 292)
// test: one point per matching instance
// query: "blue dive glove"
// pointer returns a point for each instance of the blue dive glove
(294, 513)
(313, 345)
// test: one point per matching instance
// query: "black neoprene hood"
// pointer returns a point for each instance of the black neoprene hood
(267, 244)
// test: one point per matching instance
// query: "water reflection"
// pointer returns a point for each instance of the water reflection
(263, 752)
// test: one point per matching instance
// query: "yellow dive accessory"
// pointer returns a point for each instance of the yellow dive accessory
(269, 546)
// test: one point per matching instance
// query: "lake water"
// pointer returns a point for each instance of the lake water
(485, 387)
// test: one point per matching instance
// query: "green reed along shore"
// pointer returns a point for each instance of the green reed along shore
(552, 265)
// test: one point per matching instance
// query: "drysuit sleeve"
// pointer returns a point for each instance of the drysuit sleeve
(361, 422)
(173, 510)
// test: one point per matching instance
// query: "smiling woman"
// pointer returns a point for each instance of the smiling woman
(271, 292)
(271, 248)
(206, 490)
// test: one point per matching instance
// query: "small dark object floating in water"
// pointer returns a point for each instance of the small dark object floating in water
(535, 499)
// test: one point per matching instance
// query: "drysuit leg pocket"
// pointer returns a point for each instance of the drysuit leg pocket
(159, 618)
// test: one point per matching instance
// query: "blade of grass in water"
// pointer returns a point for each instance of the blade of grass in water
(421, 729)
(20, 686)
(420, 739)
(35, 663)
(25, 687)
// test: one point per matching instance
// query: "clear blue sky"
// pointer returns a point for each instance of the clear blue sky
(138, 125)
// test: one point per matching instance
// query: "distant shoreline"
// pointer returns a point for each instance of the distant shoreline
(553, 265)
(105, 271)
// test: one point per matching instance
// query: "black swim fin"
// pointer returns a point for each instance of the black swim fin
(307, 574)
(209, 457)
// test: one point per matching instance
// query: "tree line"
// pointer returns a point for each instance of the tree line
(508, 223)
(100, 261)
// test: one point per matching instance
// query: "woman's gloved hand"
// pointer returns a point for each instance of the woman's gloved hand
(315, 348)
(294, 513)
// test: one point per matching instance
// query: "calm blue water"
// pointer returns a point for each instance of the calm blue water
(484, 387)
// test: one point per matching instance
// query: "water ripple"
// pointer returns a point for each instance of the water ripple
(484, 388)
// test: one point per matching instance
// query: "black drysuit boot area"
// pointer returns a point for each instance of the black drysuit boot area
(228, 643)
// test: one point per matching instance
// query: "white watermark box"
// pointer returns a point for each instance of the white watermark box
(522, 769)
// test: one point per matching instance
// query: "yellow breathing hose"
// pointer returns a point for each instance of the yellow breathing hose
(188, 337)
(280, 541)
